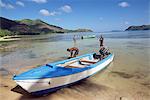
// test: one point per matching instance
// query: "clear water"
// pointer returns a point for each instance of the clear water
(128, 73)
(53, 47)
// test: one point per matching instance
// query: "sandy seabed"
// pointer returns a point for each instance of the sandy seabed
(126, 78)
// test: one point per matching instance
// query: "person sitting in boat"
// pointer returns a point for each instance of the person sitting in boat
(101, 51)
(101, 40)
(96, 56)
(106, 51)
(73, 52)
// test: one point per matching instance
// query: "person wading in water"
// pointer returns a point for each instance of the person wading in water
(101, 40)
(74, 41)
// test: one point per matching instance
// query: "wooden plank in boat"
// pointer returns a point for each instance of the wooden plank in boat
(87, 61)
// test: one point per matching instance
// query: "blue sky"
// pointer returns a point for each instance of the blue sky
(98, 15)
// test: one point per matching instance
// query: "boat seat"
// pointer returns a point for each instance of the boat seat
(88, 61)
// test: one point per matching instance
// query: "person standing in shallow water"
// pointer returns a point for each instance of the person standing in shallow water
(101, 40)
(74, 41)
(101, 49)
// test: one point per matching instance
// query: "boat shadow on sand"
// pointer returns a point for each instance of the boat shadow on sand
(83, 87)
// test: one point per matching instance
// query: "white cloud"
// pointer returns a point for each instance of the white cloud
(39, 1)
(9, 6)
(2, 4)
(20, 3)
(66, 8)
(6, 5)
(54, 13)
(123, 4)
(45, 12)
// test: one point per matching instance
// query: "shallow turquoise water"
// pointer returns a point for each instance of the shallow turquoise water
(128, 74)
(51, 48)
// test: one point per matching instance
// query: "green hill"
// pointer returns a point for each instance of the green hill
(30, 27)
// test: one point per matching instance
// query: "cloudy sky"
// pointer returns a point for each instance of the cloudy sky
(98, 15)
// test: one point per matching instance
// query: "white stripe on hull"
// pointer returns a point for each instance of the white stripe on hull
(42, 84)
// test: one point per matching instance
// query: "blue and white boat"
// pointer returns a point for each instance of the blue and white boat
(53, 76)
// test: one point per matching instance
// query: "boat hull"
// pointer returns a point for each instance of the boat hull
(44, 86)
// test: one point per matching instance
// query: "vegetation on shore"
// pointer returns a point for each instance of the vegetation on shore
(5, 33)
(30, 27)
(143, 27)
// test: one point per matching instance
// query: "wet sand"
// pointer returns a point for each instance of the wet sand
(126, 78)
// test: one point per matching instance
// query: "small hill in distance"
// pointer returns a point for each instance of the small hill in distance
(80, 30)
(142, 27)
(30, 27)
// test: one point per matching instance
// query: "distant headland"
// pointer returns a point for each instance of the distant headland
(142, 27)
(31, 27)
